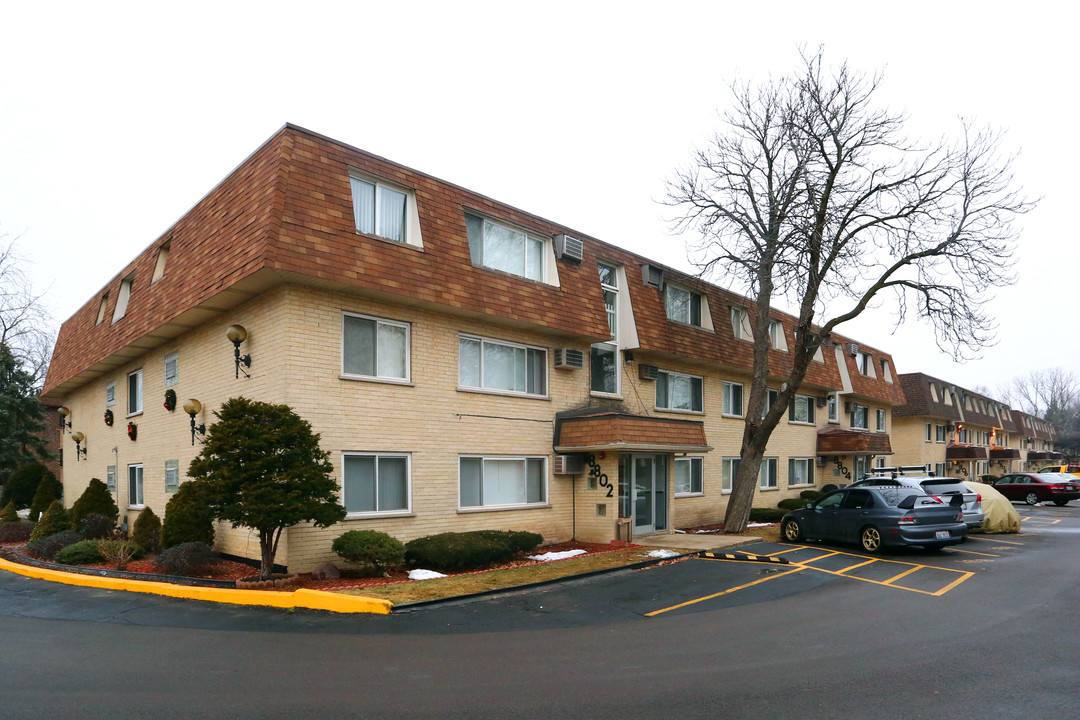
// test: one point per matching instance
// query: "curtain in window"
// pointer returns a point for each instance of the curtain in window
(393, 483)
(504, 367)
(534, 259)
(682, 476)
(504, 249)
(363, 198)
(503, 482)
(680, 392)
(359, 483)
(391, 352)
(391, 214)
(662, 390)
(470, 470)
(468, 362)
(534, 480)
(359, 355)
(678, 304)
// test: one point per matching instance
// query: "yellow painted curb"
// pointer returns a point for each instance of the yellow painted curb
(303, 598)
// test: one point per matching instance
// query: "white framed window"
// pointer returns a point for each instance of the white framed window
(933, 392)
(110, 393)
(860, 417)
(172, 476)
(604, 357)
(101, 308)
(769, 473)
(886, 372)
(498, 366)
(381, 209)
(865, 363)
(929, 432)
(110, 478)
(941, 433)
(374, 348)
(159, 266)
(689, 476)
(122, 298)
(675, 391)
(880, 420)
(776, 336)
(501, 247)
(861, 467)
(880, 462)
(800, 472)
(740, 323)
(373, 483)
(682, 306)
(770, 400)
(135, 399)
(729, 469)
(172, 369)
(485, 482)
(135, 485)
(834, 408)
(801, 410)
(733, 393)
(941, 469)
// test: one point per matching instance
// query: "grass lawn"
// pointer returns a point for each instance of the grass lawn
(438, 588)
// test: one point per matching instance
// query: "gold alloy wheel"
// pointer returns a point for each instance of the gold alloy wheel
(871, 539)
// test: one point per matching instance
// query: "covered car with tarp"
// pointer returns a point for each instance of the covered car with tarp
(999, 514)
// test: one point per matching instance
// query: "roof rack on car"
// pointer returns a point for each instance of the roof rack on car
(902, 470)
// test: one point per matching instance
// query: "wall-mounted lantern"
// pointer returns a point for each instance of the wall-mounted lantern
(238, 334)
(79, 439)
(193, 407)
(64, 412)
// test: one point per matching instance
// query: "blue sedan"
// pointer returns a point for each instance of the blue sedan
(875, 517)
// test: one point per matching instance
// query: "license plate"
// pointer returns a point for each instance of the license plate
(942, 535)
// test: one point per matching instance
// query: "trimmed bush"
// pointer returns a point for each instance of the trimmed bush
(147, 531)
(811, 495)
(518, 540)
(84, 552)
(15, 532)
(95, 499)
(461, 551)
(187, 518)
(9, 514)
(23, 483)
(767, 515)
(184, 559)
(97, 527)
(46, 492)
(53, 521)
(118, 552)
(375, 551)
(46, 548)
(790, 504)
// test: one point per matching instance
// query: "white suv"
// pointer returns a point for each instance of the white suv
(947, 489)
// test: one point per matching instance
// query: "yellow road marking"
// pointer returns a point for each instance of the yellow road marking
(953, 584)
(724, 592)
(903, 574)
(857, 565)
(1002, 542)
(972, 552)
(824, 555)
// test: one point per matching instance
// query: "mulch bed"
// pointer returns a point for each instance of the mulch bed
(231, 570)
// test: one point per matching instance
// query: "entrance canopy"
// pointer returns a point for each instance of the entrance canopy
(965, 452)
(595, 429)
(838, 441)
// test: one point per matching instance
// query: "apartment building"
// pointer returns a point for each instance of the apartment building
(468, 365)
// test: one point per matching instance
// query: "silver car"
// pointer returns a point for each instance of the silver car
(946, 488)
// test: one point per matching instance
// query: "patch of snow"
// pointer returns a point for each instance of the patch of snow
(681, 532)
(424, 575)
(750, 525)
(547, 557)
(706, 532)
(663, 553)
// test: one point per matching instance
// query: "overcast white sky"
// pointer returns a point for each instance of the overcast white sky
(117, 118)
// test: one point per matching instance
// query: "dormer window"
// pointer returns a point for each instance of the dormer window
(122, 298)
(159, 267)
(865, 364)
(886, 372)
(740, 323)
(682, 305)
(504, 248)
(384, 210)
(776, 335)
(933, 392)
(101, 308)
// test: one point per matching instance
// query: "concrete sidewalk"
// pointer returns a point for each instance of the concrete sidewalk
(694, 541)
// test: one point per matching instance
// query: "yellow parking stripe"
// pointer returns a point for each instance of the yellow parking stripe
(857, 565)
(972, 552)
(994, 540)
(724, 592)
(825, 554)
(903, 574)
(953, 584)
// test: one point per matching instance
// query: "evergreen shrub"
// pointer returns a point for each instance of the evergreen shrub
(84, 552)
(53, 521)
(373, 550)
(790, 504)
(466, 550)
(46, 548)
(811, 495)
(767, 515)
(47, 491)
(95, 499)
(96, 526)
(187, 518)
(23, 483)
(9, 514)
(147, 531)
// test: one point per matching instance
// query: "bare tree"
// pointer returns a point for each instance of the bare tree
(26, 327)
(1053, 395)
(811, 195)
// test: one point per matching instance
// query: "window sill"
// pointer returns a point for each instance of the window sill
(503, 393)
(733, 417)
(380, 515)
(768, 489)
(690, 495)
(137, 413)
(680, 323)
(382, 381)
(801, 422)
(403, 244)
(675, 411)
(513, 275)
(801, 485)
(609, 396)
(504, 508)
(136, 507)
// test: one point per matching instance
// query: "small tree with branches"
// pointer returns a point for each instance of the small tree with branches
(261, 467)
(812, 196)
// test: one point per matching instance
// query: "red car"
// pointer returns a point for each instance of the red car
(1034, 488)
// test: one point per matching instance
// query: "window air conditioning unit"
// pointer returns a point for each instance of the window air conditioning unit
(849, 407)
(648, 372)
(822, 461)
(853, 349)
(569, 248)
(652, 276)
(568, 465)
(822, 401)
(569, 358)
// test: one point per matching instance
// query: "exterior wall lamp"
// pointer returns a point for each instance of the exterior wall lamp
(193, 407)
(63, 411)
(238, 334)
(79, 439)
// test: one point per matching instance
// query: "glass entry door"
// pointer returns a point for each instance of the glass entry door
(649, 483)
